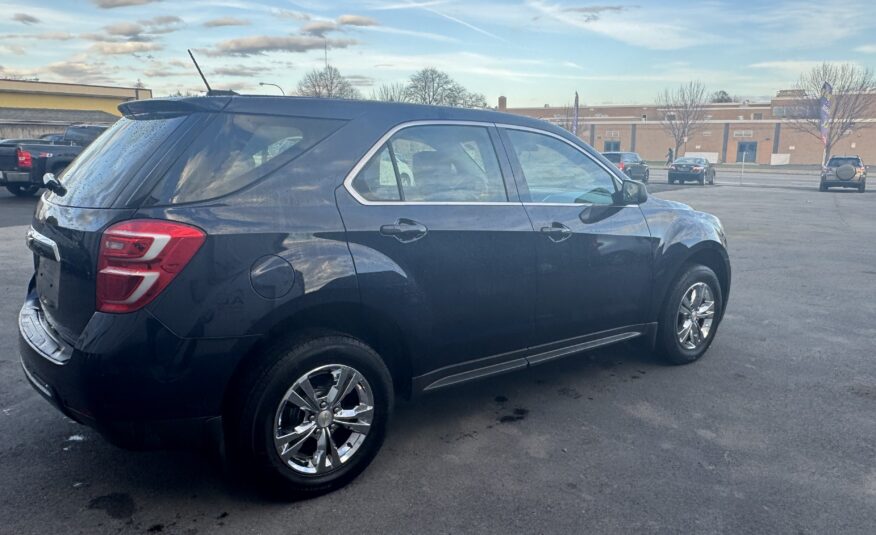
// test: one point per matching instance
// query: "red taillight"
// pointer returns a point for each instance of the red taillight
(139, 258)
(24, 158)
(620, 166)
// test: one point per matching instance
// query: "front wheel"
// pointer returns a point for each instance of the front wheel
(22, 191)
(690, 316)
(862, 187)
(312, 417)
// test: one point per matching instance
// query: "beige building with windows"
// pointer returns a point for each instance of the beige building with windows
(32, 108)
(754, 131)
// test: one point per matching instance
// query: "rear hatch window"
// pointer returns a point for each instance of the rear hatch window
(613, 157)
(837, 162)
(103, 169)
(235, 150)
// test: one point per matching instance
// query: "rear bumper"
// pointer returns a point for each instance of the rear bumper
(851, 183)
(140, 386)
(14, 177)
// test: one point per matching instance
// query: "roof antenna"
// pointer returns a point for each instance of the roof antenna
(210, 90)
(204, 78)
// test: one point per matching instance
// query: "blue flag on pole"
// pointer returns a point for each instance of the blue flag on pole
(824, 108)
(575, 116)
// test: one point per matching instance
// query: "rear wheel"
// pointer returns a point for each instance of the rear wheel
(311, 417)
(690, 316)
(822, 186)
(862, 187)
(22, 191)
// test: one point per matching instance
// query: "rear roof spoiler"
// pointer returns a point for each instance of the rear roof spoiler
(173, 106)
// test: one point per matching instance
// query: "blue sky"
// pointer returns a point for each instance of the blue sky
(533, 51)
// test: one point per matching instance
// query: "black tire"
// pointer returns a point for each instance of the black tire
(822, 187)
(22, 191)
(671, 181)
(647, 176)
(712, 180)
(702, 180)
(862, 187)
(253, 406)
(668, 346)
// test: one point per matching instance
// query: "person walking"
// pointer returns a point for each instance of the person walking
(669, 156)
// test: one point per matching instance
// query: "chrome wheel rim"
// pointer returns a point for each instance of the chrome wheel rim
(323, 419)
(695, 315)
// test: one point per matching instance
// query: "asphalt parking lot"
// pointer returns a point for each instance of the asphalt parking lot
(774, 431)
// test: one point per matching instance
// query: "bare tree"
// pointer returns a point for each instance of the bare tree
(564, 117)
(395, 92)
(854, 91)
(431, 86)
(327, 83)
(682, 111)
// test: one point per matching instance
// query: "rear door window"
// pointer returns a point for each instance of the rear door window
(434, 163)
(235, 150)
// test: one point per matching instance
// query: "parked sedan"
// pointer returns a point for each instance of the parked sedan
(693, 169)
(630, 163)
(258, 271)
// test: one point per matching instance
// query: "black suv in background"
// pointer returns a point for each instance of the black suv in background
(630, 163)
(256, 270)
(844, 172)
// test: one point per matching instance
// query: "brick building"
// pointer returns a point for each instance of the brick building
(755, 131)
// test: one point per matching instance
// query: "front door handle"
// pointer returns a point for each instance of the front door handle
(557, 232)
(404, 230)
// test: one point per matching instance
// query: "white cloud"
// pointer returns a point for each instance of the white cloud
(123, 48)
(866, 49)
(638, 27)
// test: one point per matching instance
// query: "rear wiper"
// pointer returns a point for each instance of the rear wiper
(52, 184)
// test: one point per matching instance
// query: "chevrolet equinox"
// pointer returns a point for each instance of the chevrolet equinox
(268, 273)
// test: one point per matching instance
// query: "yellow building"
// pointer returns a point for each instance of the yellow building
(58, 96)
(30, 108)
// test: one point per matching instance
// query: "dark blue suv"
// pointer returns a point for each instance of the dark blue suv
(271, 272)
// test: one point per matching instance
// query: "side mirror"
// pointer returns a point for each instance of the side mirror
(631, 192)
(51, 183)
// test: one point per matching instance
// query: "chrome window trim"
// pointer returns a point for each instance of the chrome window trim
(348, 180)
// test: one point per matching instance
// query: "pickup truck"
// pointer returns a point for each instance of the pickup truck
(23, 162)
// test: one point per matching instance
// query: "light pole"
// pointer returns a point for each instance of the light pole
(275, 85)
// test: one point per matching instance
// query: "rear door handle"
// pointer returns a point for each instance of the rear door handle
(404, 230)
(557, 232)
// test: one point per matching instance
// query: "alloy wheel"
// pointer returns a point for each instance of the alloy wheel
(695, 315)
(323, 419)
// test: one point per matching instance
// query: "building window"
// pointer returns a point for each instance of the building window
(670, 116)
(743, 133)
(644, 116)
(758, 116)
(612, 134)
